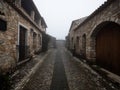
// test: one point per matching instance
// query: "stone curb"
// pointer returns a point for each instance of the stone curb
(112, 76)
(31, 73)
(83, 63)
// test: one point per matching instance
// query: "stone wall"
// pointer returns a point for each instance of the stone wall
(108, 12)
(9, 39)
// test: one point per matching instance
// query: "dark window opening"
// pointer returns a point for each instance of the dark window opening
(26, 5)
(1, 13)
(29, 6)
(3, 25)
(34, 40)
(37, 18)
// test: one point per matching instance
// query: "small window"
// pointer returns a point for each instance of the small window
(3, 25)
(1, 13)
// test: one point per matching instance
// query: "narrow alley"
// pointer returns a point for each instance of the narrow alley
(59, 45)
(61, 71)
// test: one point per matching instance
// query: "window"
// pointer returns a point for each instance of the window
(3, 25)
(1, 13)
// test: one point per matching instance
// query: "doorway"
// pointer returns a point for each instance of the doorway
(84, 46)
(22, 43)
(108, 47)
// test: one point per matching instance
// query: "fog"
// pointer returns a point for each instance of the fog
(59, 14)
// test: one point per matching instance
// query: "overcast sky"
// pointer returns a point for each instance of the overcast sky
(59, 14)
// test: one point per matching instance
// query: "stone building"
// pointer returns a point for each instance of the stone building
(21, 28)
(97, 38)
(74, 25)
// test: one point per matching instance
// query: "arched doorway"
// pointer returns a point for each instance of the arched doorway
(84, 46)
(108, 47)
(77, 45)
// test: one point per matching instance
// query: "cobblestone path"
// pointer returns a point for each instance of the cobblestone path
(41, 80)
(61, 71)
(59, 81)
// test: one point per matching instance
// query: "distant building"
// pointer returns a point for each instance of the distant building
(97, 38)
(21, 28)
(71, 35)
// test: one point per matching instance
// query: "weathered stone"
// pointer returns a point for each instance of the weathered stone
(7, 63)
(99, 39)
(16, 17)
(109, 11)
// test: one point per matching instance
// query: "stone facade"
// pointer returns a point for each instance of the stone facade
(19, 30)
(71, 36)
(84, 35)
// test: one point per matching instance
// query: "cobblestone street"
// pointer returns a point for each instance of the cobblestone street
(41, 80)
(59, 45)
(61, 71)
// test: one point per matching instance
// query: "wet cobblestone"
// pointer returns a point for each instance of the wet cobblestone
(41, 80)
(59, 81)
(23, 70)
(77, 75)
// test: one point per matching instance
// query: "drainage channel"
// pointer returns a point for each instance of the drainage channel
(59, 80)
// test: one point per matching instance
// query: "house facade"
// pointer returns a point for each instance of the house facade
(21, 28)
(97, 38)
(71, 36)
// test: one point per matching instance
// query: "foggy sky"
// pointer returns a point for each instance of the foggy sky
(59, 14)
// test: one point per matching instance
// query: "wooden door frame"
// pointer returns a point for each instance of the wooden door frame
(18, 42)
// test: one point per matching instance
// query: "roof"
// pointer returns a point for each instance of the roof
(32, 6)
(76, 23)
(44, 23)
(97, 11)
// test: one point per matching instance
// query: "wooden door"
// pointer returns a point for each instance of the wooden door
(108, 48)
(22, 41)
